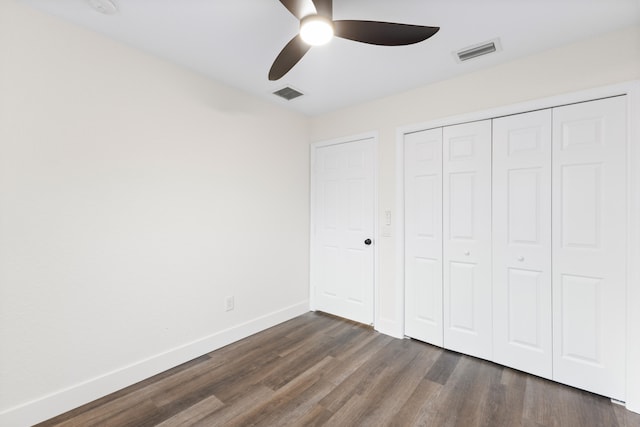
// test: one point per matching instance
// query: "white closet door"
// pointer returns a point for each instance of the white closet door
(423, 235)
(589, 245)
(467, 238)
(522, 242)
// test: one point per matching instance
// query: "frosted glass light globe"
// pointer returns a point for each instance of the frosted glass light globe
(316, 30)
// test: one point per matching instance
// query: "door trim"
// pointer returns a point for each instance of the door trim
(633, 248)
(312, 220)
(632, 90)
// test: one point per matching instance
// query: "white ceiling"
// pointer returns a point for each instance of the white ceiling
(236, 41)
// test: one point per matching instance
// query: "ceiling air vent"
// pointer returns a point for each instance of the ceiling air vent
(478, 50)
(288, 93)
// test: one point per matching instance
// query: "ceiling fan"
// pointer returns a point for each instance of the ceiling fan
(318, 27)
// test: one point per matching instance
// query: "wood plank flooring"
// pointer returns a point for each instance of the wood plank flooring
(321, 370)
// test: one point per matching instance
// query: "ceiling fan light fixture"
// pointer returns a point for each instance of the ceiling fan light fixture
(316, 30)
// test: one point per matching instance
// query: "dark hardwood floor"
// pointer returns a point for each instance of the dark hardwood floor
(321, 370)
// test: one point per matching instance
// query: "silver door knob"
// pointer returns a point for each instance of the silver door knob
(520, 258)
(467, 253)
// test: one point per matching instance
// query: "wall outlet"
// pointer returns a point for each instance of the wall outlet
(229, 303)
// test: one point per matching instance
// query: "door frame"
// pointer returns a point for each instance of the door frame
(632, 90)
(312, 220)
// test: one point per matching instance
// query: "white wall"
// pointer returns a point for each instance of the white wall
(604, 60)
(134, 197)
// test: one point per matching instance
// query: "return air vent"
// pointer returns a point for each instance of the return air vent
(478, 50)
(288, 93)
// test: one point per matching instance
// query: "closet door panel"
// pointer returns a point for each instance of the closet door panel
(423, 235)
(467, 238)
(589, 245)
(522, 242)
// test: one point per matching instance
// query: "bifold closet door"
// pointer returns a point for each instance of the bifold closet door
(522, 242)
(423, 235)
(589, 245)
(467, 238)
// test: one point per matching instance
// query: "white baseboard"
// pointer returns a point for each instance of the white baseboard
(632, 407)
(61, 401)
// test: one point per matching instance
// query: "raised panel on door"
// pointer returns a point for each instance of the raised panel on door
(589, 245)
(467, 238)
(423, 235)
(522, 335)
(342, 264)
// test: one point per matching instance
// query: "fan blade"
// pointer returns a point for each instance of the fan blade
(383, 33)
(299, 8)
(324, 7)
(290, 55)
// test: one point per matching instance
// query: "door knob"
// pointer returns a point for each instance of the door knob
(467, 253)
(367, 242)
(520, 258)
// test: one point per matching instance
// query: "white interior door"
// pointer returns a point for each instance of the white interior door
(423, 235)
(342, 261)
(522, 242)
(467, 238)
(589, 245)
